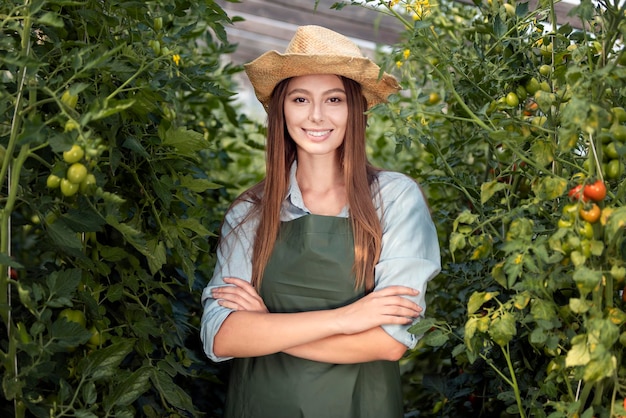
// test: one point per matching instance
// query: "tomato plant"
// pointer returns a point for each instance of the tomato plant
(117, 170)
(540, 294)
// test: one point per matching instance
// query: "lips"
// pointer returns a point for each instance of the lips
(318, 134)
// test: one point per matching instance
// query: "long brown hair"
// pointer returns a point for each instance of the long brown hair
(359, 175)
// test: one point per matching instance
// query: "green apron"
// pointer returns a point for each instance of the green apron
(311, 269)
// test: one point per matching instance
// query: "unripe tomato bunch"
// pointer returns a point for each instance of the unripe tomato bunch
(77, 176)
(613, 141)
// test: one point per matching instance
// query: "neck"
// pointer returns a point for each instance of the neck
(319, 174)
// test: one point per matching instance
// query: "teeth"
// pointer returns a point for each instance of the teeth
(317, 133)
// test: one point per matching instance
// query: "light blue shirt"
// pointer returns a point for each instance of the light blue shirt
(409, 255)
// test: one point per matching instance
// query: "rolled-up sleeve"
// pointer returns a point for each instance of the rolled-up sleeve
(410, 249)
(233, 260)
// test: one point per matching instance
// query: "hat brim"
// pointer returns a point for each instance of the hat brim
(272, 67)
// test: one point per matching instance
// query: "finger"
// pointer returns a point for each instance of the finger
(238, 296)
(397, 290)
(238, 291)
(231, 294)
(228, 304)
(238, 282)
(243, 284)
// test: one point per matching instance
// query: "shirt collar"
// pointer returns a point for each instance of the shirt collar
(293, 193)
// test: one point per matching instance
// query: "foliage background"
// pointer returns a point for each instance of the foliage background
(141, 88)
(500, 117)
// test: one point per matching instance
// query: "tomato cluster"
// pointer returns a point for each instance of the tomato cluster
(581, 215)
(77, 176)
(613, 140)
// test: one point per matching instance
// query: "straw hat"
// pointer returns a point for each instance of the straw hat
(317, 50)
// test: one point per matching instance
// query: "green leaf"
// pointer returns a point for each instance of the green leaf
(578, 305)
(129, 389)
(478, 299)
(172, 393)
(502, 329)
(51, 19)
(601, 365)
(63, 283)
(542, 309)
(158, 256)
(457, 242)
(550, 187)
(63, 236)
(185, 141)
(465, 217)
(111, 107)
(579, 354)
(68, 334)
(5, 260)
(471, 326)
(587, 279)
(422, 326)
(193, 224)
(104, 362)
(615, 225)
(83, 219)
(543, 151)
(488, 189)
(436, 338)
(198, 185)
(133, 144)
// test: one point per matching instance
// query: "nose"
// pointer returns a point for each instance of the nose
(316, 113)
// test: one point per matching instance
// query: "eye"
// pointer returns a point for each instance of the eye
(299, 100)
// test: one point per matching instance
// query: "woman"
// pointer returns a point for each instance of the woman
(322, 267)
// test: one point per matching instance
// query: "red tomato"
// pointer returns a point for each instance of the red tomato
(576, 193)
(595, 191)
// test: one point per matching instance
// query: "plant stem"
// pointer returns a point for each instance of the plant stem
(514, 385)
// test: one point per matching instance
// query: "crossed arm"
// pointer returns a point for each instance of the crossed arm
(350, 334)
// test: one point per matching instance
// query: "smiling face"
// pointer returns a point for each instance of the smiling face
(316, 114)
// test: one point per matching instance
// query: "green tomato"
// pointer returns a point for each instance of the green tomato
(53, 181)
(97, 338)
(585, 230)
(618, 131)
(88, 184)
(545, 70)
(618, 272)
(614, 169)
(69, 99)
(76, 173)
(532, 86)
(68, 188)
(158, 23)
(512, 99)
(73, 315)
(611, 150)
(619, 113)
(74, 154)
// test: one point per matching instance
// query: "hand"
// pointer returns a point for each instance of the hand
(385, 306)
(240, 297)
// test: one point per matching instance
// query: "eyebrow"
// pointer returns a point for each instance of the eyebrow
(327, 92)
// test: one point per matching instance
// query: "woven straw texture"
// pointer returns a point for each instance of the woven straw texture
(317, 50)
